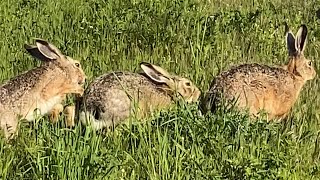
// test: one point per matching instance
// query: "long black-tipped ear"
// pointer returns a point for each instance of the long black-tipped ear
(155, 73)
(301, 38)
(48, 50)
(291, 42)
(34, 51)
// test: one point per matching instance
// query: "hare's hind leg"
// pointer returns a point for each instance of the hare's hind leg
(55, 113)
(69, 113)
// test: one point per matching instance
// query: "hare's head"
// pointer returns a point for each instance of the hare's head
(298, 64)
(179, 85)
(48, 53)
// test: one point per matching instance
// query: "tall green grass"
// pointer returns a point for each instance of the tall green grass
(196, 39)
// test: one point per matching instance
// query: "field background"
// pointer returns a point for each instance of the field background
(196, 39)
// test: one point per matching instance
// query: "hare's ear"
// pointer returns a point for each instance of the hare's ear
(156, 73)
(301, 38)
(48, 50)
(34, 51)
(291, 42)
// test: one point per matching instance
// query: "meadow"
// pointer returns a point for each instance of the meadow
(192, 38)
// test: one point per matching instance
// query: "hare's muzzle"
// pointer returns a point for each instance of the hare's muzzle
(81, 81)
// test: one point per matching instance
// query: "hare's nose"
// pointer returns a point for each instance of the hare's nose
(81, 81)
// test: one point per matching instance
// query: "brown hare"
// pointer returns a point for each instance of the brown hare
(260, 87)
(42, 88)
(111, 98)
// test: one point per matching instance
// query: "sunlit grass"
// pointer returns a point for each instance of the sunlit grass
(196, 39)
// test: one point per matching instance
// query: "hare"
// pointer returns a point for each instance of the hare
(111, 98)
(42, 88)
(260, 87)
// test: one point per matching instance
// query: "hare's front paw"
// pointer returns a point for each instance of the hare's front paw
(55, 113)
(69, 112)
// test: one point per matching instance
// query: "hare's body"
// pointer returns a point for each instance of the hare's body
(114, 97)
(34, 89)
(259, 87)
(111, 98)
(40, 89)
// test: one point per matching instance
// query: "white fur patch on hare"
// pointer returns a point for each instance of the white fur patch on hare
(43, 107)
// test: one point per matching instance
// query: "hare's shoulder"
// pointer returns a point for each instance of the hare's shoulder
(16, 87)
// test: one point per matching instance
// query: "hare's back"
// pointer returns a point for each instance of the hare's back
(126, 81)
(112, 85)
(250, 74)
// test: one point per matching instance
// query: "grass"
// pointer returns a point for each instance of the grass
(192, 38)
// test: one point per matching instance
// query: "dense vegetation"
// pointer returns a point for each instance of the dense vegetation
(193, 38)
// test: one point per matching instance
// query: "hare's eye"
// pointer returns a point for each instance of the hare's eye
(187, 84)
(309, 63)
(77, 64)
